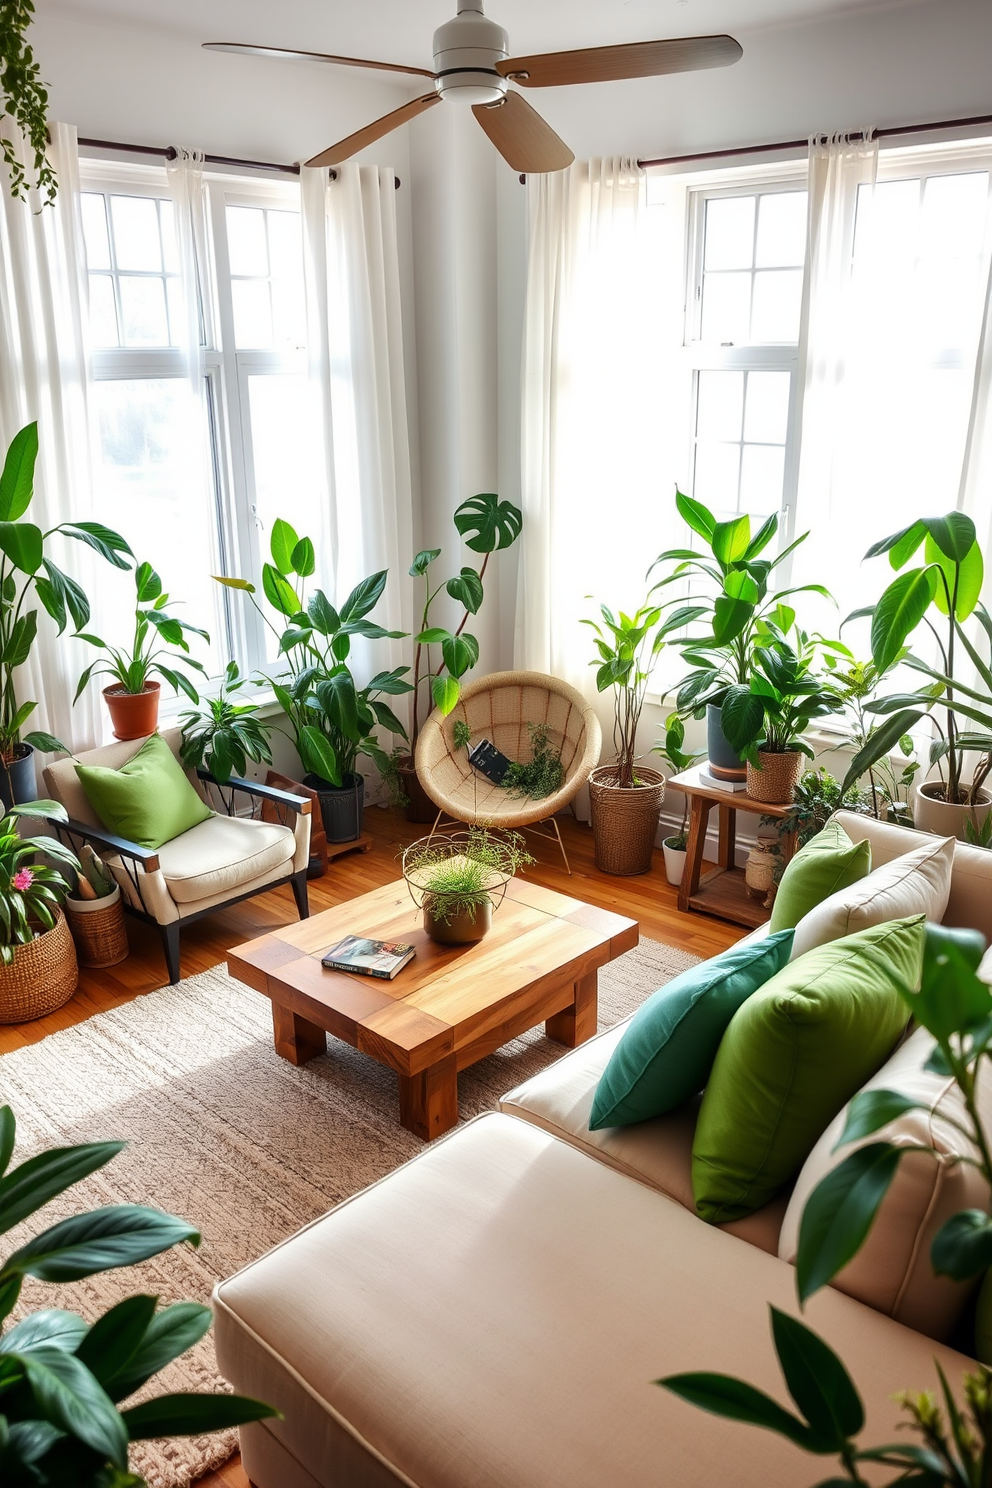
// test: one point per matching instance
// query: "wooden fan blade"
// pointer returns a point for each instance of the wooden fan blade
(265, 51)
(611, 63)
(345, 148)
(522, 137)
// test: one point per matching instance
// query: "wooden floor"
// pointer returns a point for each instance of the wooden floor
(648, 898)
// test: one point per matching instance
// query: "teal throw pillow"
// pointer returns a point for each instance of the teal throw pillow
(829, 861)
(149, 800)
(668, 1049)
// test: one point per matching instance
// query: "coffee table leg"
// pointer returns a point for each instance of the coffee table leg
(429, 1100)
(578, 1022)
(296, 1039)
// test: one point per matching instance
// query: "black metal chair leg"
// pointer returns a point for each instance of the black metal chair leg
(299, 881)
(170, 945)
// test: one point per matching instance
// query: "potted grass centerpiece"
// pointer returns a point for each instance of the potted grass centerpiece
(459, 879)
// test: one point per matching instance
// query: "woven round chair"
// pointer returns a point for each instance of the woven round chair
(499, 708)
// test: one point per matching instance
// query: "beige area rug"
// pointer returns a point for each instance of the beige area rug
(228, 1135)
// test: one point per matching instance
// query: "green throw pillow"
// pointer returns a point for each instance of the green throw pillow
(149, 801)
(793, 1055)
(830, 861)
(666, 1054)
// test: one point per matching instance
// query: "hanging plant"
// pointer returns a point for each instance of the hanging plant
(24, 100)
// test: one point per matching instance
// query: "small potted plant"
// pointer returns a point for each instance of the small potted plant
(459, 879)
(132, 697)
(674, 756)
(38, 970)
(222, 736)
(95, 912)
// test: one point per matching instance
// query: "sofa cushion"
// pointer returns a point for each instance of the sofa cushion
(149, 800)
(793, 1054)
(919, 882)
(830, 861)
(892, 1270)
(668, 1047)
(493, 1314)
(223, 854)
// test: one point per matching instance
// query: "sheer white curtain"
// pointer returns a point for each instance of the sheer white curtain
(355, 343)
(43, 376)
(593, 486)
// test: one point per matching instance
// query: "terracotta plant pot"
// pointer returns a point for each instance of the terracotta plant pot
(674, 861)
(42, 976)
(775, 782)
(625, 820)
(945, 818)
(419, 807)
(460, 927)
(133, 714)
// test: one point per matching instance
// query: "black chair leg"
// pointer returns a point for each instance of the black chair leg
(299, 882)
(170, 945)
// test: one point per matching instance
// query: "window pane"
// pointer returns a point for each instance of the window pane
(288, 315)
(716, 476)
(170, 247)
(252, 312)
(94, 212)
(136, 240)
(777, 303)
(720, 404)
(143, 311)
(729, 233)
(246, 240)
(781, 229)
(285, 245)
(177, 311)
(762, 469)
(726, 307)
(766, 416)
(103, 311)
(953, 218)
(888, 218)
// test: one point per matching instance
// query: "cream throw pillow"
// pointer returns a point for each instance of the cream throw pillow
(917, 883)
(892, 1271)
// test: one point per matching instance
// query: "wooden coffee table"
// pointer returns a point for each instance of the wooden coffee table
(452, 1005)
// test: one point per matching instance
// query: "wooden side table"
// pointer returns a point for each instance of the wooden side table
(722, 892)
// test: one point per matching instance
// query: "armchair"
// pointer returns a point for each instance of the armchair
(215, 864)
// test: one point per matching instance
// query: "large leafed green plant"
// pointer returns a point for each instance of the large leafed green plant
(30, 892)
(157, 635)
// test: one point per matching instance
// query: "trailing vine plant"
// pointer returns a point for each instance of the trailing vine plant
(24, 102)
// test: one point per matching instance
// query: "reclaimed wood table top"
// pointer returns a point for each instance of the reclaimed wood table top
(690, 784)
(449, 999)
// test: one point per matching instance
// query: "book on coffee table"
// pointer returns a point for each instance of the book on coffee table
(376, 958)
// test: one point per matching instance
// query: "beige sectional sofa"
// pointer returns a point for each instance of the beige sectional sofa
(492, 1314)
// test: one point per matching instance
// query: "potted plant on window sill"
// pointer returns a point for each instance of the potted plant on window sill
(133, 695)
(223, 735)
(674, 756)
(625, 797)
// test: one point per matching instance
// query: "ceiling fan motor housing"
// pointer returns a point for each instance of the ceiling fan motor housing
(466, 51)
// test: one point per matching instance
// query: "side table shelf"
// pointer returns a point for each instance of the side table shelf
(722, 892)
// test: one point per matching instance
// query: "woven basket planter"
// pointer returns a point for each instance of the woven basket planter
(97, 927)
(625, 821)
(777, 779)
(42, 976)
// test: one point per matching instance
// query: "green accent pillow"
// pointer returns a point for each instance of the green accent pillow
(667, 1052)
(793, 1055)
(149, 801)
(830, 861)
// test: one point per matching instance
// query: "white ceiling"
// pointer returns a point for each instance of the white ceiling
(400, 30)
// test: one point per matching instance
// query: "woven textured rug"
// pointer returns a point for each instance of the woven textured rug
(228, 1135)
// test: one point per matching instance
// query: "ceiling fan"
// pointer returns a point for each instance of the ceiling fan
(472, 65)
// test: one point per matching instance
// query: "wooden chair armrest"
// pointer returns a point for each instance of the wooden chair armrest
(102, 838)
(299, 804)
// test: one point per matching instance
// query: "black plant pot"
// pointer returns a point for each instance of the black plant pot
(724, 762)
(18, 782)
(341, 806)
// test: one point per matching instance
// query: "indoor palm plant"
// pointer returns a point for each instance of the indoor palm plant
(672, 753)
(37, 960)
(65, 1383)
(223, 735)
(27, 573)
(333, 720)
(941, 594)
(626, 797)
(458, 879)
(734, 577)
(486, 525)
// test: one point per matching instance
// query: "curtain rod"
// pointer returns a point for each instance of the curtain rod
(169, 152)
(804, 143)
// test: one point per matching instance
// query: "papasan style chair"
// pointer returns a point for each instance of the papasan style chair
(499, 708)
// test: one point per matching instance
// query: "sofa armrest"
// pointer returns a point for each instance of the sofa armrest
(300, 804)
(147, 858)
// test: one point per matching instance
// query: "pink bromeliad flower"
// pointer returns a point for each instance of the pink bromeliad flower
(22, 879)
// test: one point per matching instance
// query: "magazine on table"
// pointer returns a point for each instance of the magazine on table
(376, 958)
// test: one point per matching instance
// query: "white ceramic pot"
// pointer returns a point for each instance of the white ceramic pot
(943, 818)
(674, 861)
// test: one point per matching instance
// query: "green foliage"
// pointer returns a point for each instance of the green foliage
(223, 736)
(26, 572)
(980, 836)
(454, 876)
(674, 755)
(543, 774)
(30, 892)
(818, 795)
(61, 1379)
(772, 711)
(461, 734)
(486, 524)
(156, 634)
(332, 719)
(92, 869)
(23, 99)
